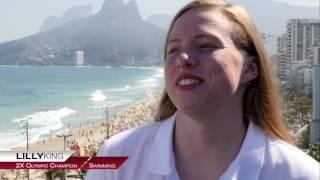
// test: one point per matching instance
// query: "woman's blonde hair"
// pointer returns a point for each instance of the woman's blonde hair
(260, 100)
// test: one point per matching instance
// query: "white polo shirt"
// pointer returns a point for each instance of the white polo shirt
(150, 157)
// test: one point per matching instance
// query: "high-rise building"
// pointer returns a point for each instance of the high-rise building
(281, 66)
(295, 51)
(79, 58)
(282, 60)
(315, 123)
(281, 43)
(302, 35)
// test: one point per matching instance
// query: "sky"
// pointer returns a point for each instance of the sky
(21, 18)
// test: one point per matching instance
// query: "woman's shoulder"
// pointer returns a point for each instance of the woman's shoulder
(288, 151)
(284, 159)
(128, 141)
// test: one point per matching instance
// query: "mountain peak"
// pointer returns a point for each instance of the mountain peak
(132, 4)
(74, 13)
(111, 6)
(78, 11)
(117, 10)
(131, 11)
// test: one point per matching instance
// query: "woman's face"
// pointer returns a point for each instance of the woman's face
(203, 67)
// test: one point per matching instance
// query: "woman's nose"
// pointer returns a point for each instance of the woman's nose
(185, 60)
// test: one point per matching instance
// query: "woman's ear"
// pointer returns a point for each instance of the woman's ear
(250, 70)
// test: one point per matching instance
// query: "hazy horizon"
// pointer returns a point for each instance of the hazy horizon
(23, 18)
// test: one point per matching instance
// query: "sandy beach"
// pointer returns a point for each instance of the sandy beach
(95, 132)
(89, 136)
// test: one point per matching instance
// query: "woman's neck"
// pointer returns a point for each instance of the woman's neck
(206, 144)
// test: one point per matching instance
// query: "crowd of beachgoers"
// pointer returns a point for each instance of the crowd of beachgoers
(85, 139)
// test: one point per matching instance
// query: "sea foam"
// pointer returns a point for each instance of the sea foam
(10, 138)
(121, 89)
(97, 96)
(42, 123)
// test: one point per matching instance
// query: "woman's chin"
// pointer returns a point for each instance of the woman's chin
(188, 108)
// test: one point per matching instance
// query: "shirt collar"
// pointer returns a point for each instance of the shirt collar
(247, 164)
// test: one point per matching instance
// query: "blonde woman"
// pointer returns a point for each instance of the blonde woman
(219, 116)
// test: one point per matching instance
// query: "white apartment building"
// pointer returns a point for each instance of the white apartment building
(302, 35)
(295, 50)
(79, 58)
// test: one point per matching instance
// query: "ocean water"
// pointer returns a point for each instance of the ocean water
(52, 98)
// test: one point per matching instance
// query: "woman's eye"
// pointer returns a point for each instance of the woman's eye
(173, 50)
(206, 46)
